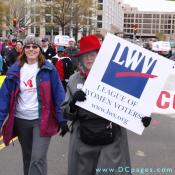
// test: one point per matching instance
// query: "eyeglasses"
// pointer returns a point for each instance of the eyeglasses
(32, 46)
(89, 55)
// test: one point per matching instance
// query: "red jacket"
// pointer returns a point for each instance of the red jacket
(60, 69)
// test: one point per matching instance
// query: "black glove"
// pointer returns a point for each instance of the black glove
(146, 121)
(78, 96)
(64, 128)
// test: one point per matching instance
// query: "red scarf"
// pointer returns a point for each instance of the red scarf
(84, 73)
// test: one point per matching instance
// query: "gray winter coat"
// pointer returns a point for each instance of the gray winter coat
(84, 159)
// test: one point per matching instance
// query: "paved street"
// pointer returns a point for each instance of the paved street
(154, 149)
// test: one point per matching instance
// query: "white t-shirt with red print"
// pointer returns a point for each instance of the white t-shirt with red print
(27, 101)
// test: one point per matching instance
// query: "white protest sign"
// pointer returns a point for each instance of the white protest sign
(125, 82)
(61, 40)
(166, 101)
(161, 46)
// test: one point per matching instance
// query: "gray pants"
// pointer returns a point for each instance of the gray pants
(87, 160)
(34, 147)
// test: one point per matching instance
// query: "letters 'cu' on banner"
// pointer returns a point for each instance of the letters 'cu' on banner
(166, 101)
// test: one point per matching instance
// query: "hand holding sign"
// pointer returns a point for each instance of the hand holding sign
(78, 96)
(146, 121)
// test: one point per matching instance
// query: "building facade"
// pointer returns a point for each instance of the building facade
(106, 16)
(148, 24)
(109, 16)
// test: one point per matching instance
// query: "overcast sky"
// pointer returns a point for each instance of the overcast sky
(152, 5)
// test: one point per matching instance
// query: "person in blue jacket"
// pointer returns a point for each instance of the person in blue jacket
(1, 64)
(30, 100)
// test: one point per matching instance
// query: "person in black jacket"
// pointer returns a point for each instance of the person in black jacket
(47, 50)
(14, 53)
(72, 50)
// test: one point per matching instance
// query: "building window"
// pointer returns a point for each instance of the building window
(47, 10)
(125, 20)
(155, 21)
(37, 10)
(48, 19)
(99, 17)
(37, 32)
(37, 19)
(148, 26)
(169, 21)
(55, 20)
(67, 31)
(32, 10)
(32, 29)
(48, 30)
(56, 31)
(100, 7)
(100, 1)
(128, 30)
(148, 31)
(140, 15)
(32, 19)
(147, 21)
(147, 15)
(99, 24)
(156, 16)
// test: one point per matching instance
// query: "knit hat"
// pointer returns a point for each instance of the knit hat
(45, 39)
(31, 39)
(60, 49)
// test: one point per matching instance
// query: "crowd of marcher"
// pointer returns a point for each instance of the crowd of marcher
(38, 97)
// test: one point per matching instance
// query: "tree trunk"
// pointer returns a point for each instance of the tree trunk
(76, 33)
(62, 29)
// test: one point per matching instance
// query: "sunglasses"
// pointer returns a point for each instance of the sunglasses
(32, 46)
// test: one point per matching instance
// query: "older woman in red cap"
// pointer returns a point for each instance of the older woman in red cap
(91, 147)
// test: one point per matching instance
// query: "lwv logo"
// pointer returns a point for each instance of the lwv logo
(129, 70)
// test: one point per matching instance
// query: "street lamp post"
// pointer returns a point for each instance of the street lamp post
(14, 32)
(134, 28)
(71, 23)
